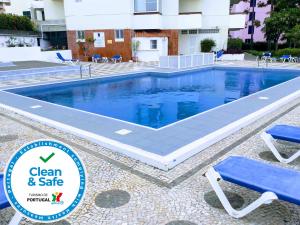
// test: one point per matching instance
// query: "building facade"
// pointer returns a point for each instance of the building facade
(155, 27)
(257, 11)
(48, 16)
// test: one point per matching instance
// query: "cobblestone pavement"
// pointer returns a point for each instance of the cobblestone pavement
(122, 191)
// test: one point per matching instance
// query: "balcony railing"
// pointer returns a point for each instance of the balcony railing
(51, 25)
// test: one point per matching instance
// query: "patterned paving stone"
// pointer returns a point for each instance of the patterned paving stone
(269, 156)
(181, 222)
(212, 199)
(62, 222)
(7, 138)
(112, 199)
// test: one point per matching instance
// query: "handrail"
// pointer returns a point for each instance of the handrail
(82, 66)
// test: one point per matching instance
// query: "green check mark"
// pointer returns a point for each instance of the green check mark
(45, 160)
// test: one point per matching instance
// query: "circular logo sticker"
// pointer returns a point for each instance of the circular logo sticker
(45, 181)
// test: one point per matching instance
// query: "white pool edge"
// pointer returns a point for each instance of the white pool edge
(162, 162)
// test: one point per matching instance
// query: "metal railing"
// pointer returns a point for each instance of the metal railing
(186, 61)
(83, 68)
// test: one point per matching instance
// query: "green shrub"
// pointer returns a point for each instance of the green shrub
(287, 51)
(235, 44)
(255, 52)
(207, 45)
(14, 22)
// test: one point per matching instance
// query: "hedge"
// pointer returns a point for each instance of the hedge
(207, 45)
(263, 46)
(14, 22)
(287, 51)
(234, 46)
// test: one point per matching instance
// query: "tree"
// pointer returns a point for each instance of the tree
(294, 36)
(279, 23)
(278, 5)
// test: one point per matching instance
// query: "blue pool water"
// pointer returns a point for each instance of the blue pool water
(156, 100)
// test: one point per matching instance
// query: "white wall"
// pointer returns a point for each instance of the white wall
(146, 54)
(31, 53)
(190, 43)
(98, 14)
(54, 9)
(50, 56)
(18, 6)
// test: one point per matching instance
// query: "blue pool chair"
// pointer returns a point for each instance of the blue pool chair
(283, 133)
(219, 54)
(5, 204)
(67, 61)
(96, 58)
(286, 58)
(116, 58)
(272, 181)
(267, 56)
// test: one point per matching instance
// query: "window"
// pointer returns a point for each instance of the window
(251, 16)
(153, 44)
(27, 14)
(141, 6)
(119, 35)
(184, 32)
(252, 3)
(251, 29)
(80, 36)
(193, 31)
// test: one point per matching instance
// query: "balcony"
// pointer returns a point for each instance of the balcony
(160, 22)
(51, 25)
(37, 4)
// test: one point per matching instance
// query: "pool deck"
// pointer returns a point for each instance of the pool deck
(179, 196)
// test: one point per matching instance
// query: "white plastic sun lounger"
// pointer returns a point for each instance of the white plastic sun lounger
(284, 133)
(272, 181)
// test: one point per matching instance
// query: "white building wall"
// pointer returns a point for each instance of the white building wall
(54, 9)
(18, 6)
(146, 54)
(98, 14)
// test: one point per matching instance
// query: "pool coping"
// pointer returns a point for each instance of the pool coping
(164, 162)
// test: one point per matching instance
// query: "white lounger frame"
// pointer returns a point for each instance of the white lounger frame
(16, 218)
(268, 139)
(266, 198)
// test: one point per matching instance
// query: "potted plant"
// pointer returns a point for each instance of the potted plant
(135, 47)
(85, 46)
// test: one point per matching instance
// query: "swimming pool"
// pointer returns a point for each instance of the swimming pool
(159, 118)
(154, 100)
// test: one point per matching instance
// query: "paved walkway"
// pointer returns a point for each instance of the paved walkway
(98, 69)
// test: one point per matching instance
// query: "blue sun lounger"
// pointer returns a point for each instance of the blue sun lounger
(272, 181)
(283, 133)
(68, 61)
(5, 204)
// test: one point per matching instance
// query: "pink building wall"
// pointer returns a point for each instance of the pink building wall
(260, 14)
